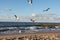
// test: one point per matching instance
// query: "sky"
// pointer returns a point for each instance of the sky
(22, 7)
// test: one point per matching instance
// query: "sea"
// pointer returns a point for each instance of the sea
(17, 28)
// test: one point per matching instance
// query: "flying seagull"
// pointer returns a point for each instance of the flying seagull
(30, 2)
(46, 9)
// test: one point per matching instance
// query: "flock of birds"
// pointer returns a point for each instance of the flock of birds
(30, 2)
(32, 19)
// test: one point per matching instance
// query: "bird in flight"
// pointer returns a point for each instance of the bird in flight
(30, 2)
(46, 9)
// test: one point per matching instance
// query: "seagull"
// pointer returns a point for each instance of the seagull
(46, 9)
(30, 2)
